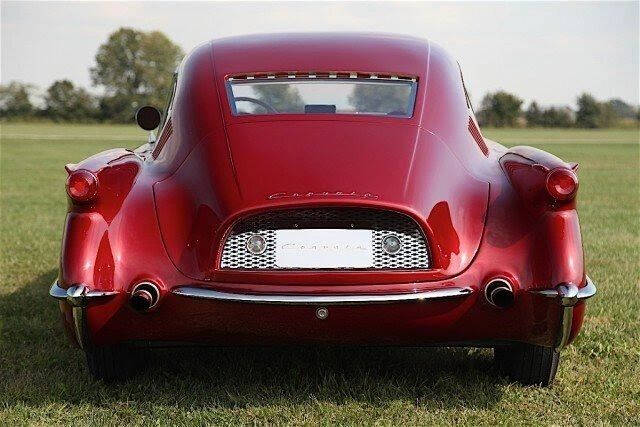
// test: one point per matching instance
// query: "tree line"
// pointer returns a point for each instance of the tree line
(503, 109)
(135, 68)
(132, 68)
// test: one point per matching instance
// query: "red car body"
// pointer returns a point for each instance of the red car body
(161, 214)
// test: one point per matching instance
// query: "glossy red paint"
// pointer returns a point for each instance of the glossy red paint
(162, 213)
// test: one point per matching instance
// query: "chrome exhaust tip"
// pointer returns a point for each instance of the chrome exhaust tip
(144, 297)
(499, 293)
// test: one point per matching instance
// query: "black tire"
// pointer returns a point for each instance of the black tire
(113, 362)
(528, 364)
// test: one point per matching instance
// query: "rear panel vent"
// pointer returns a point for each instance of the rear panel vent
(475, 132)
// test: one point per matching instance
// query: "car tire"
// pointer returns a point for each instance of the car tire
(113, 363)
(528, 364)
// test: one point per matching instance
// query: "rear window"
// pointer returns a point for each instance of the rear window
(369, 95)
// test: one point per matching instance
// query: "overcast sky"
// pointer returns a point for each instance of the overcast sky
(545, 51)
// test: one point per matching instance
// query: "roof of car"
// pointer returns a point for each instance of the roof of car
(307, 52)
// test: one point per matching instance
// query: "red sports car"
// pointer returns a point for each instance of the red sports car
(322, 189)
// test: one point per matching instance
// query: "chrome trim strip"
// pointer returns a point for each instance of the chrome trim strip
(203, 293)
(77, 295)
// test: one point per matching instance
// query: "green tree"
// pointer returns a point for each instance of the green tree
(135, 68)
(622, 109)
(64, 102)
(283, 97)
(117, 108)
(500, 109)
(533, 115)
(559, 117)
(380, 98)
(607, 116)
(15, 100)
(588, 111)
(624, 113)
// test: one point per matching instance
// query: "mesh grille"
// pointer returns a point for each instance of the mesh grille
(413, 255)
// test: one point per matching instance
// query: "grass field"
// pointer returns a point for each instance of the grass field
(43, 380)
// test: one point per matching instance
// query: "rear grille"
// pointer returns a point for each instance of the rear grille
(414, 253)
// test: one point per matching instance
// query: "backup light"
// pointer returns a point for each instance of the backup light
(391, 244)
(256, 244)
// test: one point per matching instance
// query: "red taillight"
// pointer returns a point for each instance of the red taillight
(562, 184)
(82, 186)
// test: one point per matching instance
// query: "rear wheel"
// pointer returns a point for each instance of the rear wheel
(113, 362)
(528, 364)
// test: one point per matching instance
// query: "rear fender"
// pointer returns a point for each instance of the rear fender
(86, 252)
(557, 256)
(113, 242)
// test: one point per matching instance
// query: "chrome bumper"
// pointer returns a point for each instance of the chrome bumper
(203, 293)
(78, 296)
(568, 295)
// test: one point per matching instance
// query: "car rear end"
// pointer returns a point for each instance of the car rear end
(289, 215)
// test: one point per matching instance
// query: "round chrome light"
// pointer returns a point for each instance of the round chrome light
(256, 244)
(391, 244)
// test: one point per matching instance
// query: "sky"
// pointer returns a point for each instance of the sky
(547, 51)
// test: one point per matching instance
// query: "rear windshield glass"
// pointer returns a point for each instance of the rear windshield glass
(322, 96)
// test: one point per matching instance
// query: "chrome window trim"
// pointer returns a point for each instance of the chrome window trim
(258, 77)
(323, 75)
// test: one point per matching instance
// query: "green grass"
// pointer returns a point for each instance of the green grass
(43, 380)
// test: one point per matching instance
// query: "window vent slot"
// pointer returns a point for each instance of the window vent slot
(475, 132)
(166, 133)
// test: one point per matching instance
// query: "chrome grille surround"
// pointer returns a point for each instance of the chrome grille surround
(413, 256)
